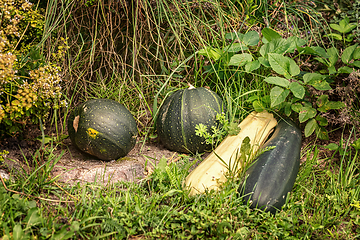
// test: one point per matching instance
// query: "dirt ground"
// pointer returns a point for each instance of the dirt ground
(75, 166)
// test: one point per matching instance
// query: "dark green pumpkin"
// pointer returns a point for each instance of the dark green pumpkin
(273, 174)
(103, 128)
(181, 112)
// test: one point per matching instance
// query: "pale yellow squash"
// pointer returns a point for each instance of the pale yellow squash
(210, 173)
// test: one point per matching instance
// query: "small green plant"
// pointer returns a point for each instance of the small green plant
(167, 177)
(344, 28)
(20, 217)
(216, 134)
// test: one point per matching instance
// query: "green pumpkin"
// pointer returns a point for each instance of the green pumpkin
(103, 128)
(179, 115)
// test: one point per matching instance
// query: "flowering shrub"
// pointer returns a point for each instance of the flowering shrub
(28, 92)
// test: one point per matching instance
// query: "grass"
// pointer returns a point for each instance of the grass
(323, 204)
(137, 53)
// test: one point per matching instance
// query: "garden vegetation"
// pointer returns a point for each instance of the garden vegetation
(298, 59)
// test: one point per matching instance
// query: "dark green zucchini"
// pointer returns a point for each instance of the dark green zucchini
(273, 174)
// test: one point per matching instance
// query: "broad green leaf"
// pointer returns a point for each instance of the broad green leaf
(33, 217)
(235, 47)
(279, 81)
(356, 54)
(346, 26)
(332, 70)
(67, 232)
(252, 98)
(162, 164)
(349, 38)
(332, 146)
(278, 95)
(322, 100)
(331, 105)
(171, 192)
(258, 106)
(343, 27)
(296, 41)
(279, 64)
(75, 226)
(282, 46)
(270, 34)
(266, 48)
(296, 107)
(245, 146)
(283, 65)
(356, 145)
(321, 120)
(356, 64)
(317, 81)
(306, 50)
(279, 46)
(294, 69)
(320, 51)
(334, 36)
(322, 60)
(212, 53)
(307, 104)
(306, 113)
(264, 62)
(310, 127)
(336, 27)
(321, 133)
(31, 204)
(297, 90)
(240, 59)
(234, 36)
(320, 85)
(344, 22)
(251, 66)
(346, 56)
(287, 108)
(345, 69)
(251, 38)
(333, 55)
(17, 232)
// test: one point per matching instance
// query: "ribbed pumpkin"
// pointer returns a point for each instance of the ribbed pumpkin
(103, 128)
(181, 112)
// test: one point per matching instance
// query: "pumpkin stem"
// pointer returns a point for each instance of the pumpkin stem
(191, 86)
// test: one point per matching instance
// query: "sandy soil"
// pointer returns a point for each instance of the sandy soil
(75, 166)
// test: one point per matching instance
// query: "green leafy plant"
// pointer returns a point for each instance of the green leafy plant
(168, 177)
(291, 87)
(216, 134)
(30, 86)
(344, 28)
(329, 57)
(24, 212)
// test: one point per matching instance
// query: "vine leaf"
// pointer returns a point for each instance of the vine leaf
(278, 95)
(283, 65)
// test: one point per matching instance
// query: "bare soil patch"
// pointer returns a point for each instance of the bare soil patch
(75, 166)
